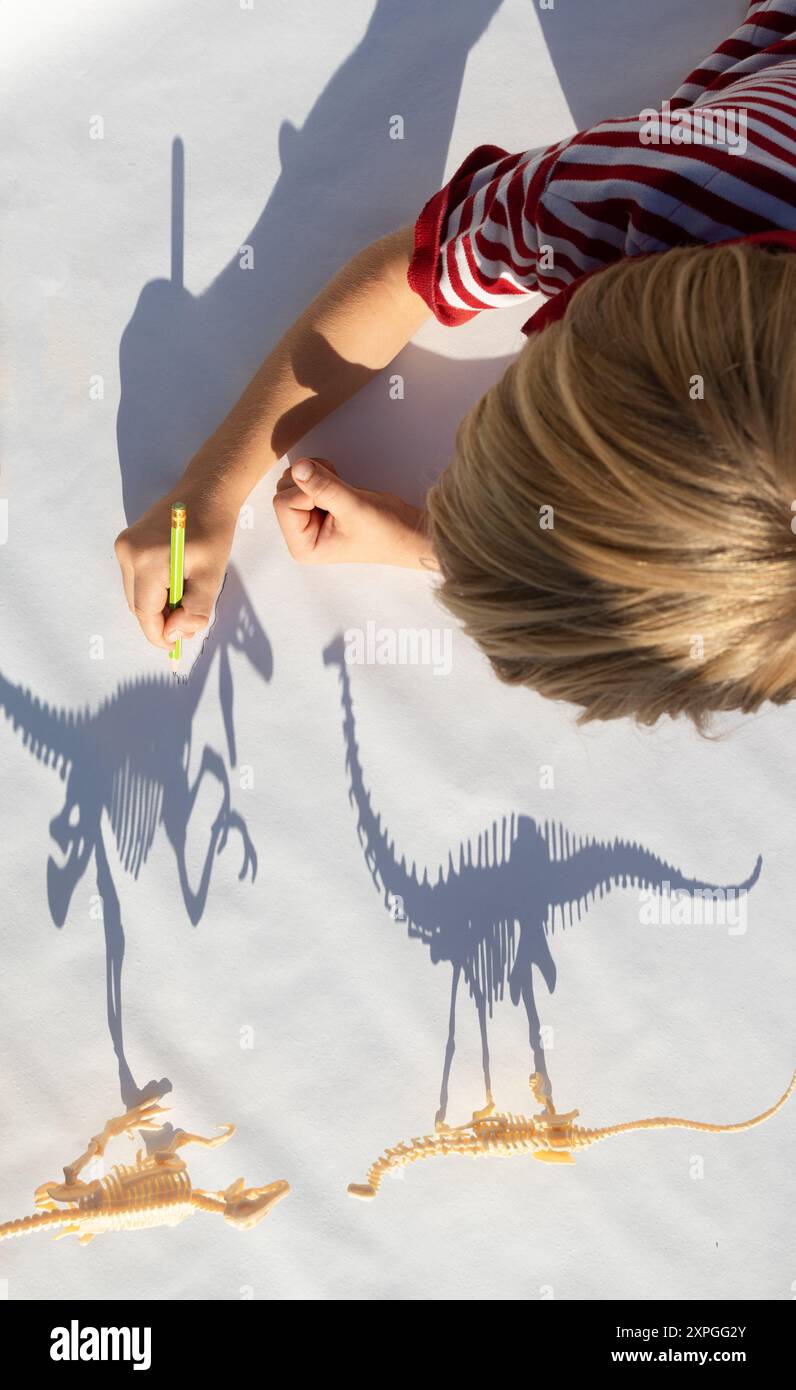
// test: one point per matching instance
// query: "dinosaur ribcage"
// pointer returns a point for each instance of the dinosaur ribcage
(490, 964)
(132, 1198)
(136, 800)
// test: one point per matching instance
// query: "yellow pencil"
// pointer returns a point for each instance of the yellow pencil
(176, 571)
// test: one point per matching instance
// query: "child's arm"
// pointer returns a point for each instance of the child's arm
(352, 330)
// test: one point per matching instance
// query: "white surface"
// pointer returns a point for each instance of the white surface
(349, 1015)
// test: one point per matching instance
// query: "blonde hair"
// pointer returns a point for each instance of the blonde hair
(666, 583)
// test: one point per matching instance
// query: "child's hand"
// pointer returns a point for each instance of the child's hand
(143, 554)
(325, 521)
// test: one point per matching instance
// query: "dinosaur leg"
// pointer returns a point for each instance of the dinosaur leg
(114, 959)
(227, 819)
(131, 1093)
(450, 1048)
(480, 1004)
(140, 1117)
(540, 1093)
(181, 1137)
(554, 1126)
(176, 815)
(535, 1034)
(177, 810)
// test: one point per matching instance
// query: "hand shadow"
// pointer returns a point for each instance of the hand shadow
(617, 58)
(184, 359)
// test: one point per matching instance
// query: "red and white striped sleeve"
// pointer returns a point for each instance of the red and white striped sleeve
(476, 247)
(766, 36)
(508, 225)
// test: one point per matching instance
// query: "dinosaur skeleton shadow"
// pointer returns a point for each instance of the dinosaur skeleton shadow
(130, 758)
(490, 915)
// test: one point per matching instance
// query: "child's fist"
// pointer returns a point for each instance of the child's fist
(325, 521)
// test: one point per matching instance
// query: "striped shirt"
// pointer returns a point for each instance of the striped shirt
(507, 225)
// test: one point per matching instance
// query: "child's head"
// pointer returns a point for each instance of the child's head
(615, 527)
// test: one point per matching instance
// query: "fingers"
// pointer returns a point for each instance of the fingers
(300, 516)
(145, 589)
(286, 480)
(319, 514)
(150, 595)
(299, 521)
(289, 494)
(319, 482)
(145, 580)
(196, 606)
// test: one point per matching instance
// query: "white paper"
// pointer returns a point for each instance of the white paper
(283, 120)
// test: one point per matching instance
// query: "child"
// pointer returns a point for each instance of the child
(615, 526)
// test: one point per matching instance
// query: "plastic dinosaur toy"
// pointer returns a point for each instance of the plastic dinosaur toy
(547, 1136)
(154, 1191)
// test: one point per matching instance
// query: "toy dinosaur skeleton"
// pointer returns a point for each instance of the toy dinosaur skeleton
(155, 1191)
(547, 1136)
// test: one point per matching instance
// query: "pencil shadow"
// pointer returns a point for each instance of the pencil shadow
(491, 912)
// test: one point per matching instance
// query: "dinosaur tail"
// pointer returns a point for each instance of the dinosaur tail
(26, 1225)
(460, 1140)
(584, 1137)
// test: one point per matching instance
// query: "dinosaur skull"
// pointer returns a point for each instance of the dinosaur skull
(69, 830)
(246, 1206)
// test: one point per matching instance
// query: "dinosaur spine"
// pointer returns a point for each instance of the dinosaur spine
(546, 1135)
(26, 1225)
